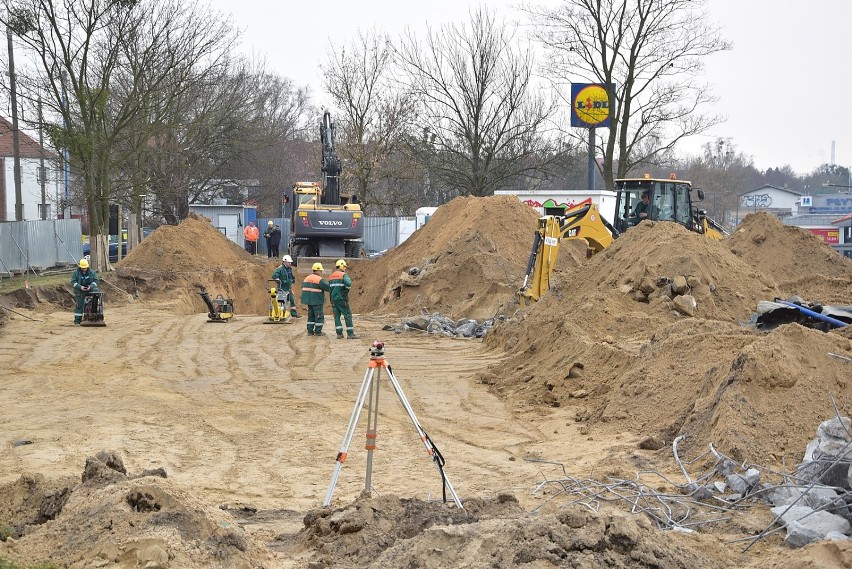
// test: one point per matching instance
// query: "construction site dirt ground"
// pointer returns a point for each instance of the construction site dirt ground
(246, 419)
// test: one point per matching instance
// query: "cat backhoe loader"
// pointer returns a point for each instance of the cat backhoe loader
(668, 200)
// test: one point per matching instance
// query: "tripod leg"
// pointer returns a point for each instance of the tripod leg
(372, 426)
(350, 432)
(430, 448)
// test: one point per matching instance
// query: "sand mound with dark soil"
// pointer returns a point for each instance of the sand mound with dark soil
(590, 346)
(173, 261)
(799, 262)
(389, 532)
(112, 519)
(467, 261)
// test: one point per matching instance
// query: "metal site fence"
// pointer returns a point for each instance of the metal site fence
(34, 246)
(380, 233)
(38, 245)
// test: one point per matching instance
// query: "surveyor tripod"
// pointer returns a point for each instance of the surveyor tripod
(369, 393)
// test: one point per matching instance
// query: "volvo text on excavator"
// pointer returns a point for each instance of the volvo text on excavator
(325, 222)
(667, 200)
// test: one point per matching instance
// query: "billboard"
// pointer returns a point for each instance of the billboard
(830, 236)
(590, 105)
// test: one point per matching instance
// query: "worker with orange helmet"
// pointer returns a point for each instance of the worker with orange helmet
(84, 281)
(340, 283)
(314, 288)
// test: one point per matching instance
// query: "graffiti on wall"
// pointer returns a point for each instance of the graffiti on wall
(552, 203)
(756, 201)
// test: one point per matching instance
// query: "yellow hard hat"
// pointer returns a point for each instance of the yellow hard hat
(317, 267)
(83, 264)
(341, 264)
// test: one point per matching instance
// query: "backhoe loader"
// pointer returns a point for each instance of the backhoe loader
(668, 200)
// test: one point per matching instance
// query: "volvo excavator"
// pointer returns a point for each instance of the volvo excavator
(324, 222)
(669, 200)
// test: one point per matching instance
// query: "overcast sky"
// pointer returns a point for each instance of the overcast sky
(785, 88)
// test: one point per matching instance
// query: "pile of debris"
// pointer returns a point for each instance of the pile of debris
(436, 323)
(812, 504)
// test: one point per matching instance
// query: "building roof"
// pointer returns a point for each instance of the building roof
(809, 219)
(842, 219)
(770, 186)
(27, 147)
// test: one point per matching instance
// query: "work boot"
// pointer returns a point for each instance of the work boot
(354, 336)
(294, 315)
(319, 333)
(340, 336)
(76, 323)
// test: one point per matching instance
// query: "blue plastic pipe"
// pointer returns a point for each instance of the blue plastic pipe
(817, 315)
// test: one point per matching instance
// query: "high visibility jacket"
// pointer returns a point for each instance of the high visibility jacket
(251, 233)
(313, 288)
(339, 283)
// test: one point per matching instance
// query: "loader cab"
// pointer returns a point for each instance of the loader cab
(670, 200)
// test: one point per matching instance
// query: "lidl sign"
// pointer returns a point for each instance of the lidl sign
(590, 105)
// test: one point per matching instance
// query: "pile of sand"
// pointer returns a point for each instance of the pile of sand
(118, 520)
(798, 261)
(467, 261)
(389, 532)
(591, 347)
(174, 261)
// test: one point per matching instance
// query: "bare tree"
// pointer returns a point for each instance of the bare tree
(652, 51)
(102, 64)
(483, 119)
(374, 111)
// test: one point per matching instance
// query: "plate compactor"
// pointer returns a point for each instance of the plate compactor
(279, 305)
(93, 309)
(219, 309)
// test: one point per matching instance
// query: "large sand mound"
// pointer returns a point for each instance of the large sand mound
(590, 346)
(174, 261)
(798, 261)
(467, 261)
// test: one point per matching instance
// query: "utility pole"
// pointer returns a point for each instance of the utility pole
(16, 147)
(41, 171)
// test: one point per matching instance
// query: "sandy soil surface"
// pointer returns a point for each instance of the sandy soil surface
(163, 440)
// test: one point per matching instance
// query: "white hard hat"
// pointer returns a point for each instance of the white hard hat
(270, 222)
(287, 258)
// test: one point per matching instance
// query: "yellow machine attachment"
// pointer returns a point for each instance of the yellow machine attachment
(582, 222)
(707, 226)
(279, 305)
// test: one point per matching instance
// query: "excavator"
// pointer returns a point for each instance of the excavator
(325, 222)
(670, 200)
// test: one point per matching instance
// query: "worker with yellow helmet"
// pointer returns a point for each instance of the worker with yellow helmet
(84, 280)
(340, 283)
(314, 288)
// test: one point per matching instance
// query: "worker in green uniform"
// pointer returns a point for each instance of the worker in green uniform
(340, 283)
(285, 278)
(314, 288)
(84, 280)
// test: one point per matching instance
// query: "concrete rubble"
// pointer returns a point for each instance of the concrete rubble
(436, 323)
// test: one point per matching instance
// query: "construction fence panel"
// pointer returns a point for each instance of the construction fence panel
(381, 233)
(39, 244)
(283, 225)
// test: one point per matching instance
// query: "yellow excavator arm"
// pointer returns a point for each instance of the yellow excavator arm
(581, 222)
